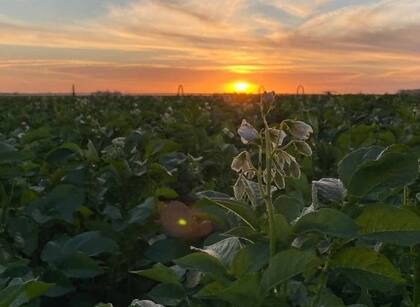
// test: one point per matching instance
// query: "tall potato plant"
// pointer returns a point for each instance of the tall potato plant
(347, 247)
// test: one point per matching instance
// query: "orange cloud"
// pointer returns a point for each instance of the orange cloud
(154, 45)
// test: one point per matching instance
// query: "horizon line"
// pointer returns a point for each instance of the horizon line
(81, 94)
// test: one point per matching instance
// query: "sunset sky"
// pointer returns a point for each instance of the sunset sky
(154, 45)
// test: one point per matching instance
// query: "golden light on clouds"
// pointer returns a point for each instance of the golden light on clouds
(147, 46)
(242, 69)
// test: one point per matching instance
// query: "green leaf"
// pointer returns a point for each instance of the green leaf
(91, 243)
(328, 299)
(34, 289)
(159, 273)
(211, 290)
(286, 265)
(9, 154)
(167, 250)
(141, 213)
(25, 233)
(245, 232)
(64, 200)
(167, 294)
(251, 258)
(166, 193)
(71, 255)
(79, 265)
(241, 210)
(389, 224)
(245, 291)
(367, 268)
(350, 163)
(281, 228)
(91, 154)
(63, 153)
(19, 293)
(394, 168)
(62, 284)
(289, 207)
(327, 221)
(202, 262)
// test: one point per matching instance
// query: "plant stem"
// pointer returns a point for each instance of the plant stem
(405, 197)
(268, 196)
(6, 201)
(267, 192)
(322, 280)
(322, 283)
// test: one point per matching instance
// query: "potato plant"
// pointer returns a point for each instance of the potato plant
(346, 246)
(113, 200)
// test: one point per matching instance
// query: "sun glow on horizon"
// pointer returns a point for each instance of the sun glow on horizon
(241, 87)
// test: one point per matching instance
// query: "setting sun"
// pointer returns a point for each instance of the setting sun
(241, 87)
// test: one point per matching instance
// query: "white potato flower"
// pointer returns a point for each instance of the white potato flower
(299, 129)
(247, 132)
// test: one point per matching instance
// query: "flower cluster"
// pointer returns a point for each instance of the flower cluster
(275, 143)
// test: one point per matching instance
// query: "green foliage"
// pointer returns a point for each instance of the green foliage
(367, 268)
(285, 265)
(83, 180)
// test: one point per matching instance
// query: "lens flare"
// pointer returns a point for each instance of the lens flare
(182, 222)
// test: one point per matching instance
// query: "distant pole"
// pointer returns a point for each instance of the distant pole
(73, 90)
(300, 90)
(180, 91)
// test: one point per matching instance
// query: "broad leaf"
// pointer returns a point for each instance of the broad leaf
(202, 262)
(244, 291)
(19, 292)
(286, 265)
(140, 214)
(91, 243)
(160, 273)
(394, 168)
(167, 250)
(349, 164)
(250, 259)
(290, 207)
(327, 221)
(389, 224)
(243, 211)
(367, 268)
(167, 294)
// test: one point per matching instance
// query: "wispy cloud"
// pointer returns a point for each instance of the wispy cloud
(365, 45)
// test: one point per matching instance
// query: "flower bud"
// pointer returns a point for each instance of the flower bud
(268, 98)
(247, 132)
(299, 129)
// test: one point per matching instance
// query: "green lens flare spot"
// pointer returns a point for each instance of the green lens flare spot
(182, 222)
